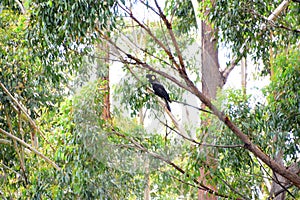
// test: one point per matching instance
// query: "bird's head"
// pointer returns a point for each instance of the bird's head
(151, 77)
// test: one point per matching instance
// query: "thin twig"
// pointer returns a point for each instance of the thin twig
(168, 52)
(186, 104)
(275, 179)
(6, 167)
(147, 52)
(199, 143)
(155, 155)
(280, 191)
(234, 190)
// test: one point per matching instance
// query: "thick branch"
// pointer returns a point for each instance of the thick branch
(278, 10)
(231, 66)
(280, 169)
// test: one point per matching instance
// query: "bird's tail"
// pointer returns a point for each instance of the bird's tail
(167, 104)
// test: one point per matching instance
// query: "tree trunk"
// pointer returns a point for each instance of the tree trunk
(280, 184)
(105, 79)
(212, 79)
(106, 100)
(244, 75)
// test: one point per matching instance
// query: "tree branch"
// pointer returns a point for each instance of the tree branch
(32, 123)
(31, 148)
(199, 143)
(168, 52)
(275, 179)
(19, 153)
(171, 33)
(278, 10)
(200, 185)
(23, 11)
(4, 141)
(186, 104)
(147, 52)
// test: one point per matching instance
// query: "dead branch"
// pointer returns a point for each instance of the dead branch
(31, 148)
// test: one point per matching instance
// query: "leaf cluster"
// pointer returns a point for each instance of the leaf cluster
(243, 26)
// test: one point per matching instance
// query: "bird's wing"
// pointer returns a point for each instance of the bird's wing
(159, 90)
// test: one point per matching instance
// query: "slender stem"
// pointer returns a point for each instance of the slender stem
(19, 153)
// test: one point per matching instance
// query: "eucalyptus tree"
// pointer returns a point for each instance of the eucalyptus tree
(35, 69)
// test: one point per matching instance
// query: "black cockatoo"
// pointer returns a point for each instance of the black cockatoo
(159, 89)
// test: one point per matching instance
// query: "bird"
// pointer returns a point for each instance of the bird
(159, 89)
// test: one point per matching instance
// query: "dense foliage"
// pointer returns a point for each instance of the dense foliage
(245, 29)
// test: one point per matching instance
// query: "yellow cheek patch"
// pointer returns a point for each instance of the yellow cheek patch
(152, 77)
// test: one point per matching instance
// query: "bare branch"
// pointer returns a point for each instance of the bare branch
(23, 11)
(200, 185)
(6, 167)
(146, 52)
(186, 104)
(146, 65)
(234, 190)
(21, 107)
(225, 73)
(148, 6)
(31, 148)
(168, 52)
(278, 10)
(199, 143)
(171, 33)
(4, 141)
